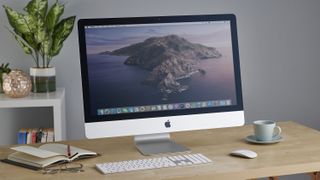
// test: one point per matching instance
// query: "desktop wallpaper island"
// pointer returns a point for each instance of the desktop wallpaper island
(157, 64)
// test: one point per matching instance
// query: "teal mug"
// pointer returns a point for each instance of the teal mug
(266, 130)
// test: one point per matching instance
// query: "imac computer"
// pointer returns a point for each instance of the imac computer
(149, 76)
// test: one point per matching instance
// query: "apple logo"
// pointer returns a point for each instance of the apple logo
(167, 124)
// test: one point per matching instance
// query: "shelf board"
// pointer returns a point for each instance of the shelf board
(33, 100)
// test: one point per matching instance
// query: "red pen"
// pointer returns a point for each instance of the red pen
(68, 150)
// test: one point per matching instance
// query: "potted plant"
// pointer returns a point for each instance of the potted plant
(41, 34)
(4, 69)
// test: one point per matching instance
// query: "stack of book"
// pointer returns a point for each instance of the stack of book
(46, 155)
(35, 135)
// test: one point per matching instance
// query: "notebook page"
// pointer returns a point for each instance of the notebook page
(41, 153)
(62, 149)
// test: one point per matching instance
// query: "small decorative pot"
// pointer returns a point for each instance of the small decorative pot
(43, 79)
(16, 84)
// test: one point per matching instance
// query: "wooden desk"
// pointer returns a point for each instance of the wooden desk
(298, 153)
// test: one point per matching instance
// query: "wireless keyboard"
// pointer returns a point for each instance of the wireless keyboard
(152, 163)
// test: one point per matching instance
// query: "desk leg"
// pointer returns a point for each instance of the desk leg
(59, 120)
(315, 175)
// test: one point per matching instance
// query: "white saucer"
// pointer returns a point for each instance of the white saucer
(253, 139)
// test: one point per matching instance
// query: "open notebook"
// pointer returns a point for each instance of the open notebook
(45, 155)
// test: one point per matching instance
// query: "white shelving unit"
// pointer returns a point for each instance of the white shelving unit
(56, 100)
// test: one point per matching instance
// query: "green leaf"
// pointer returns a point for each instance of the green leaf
(4, 68)
(37, 8)
(40, 32)
(56, 47)
(24, 45)
(61, 31)
(31, 41)
(46, 45)
(54, 15)
(28, 38)
(18, 21)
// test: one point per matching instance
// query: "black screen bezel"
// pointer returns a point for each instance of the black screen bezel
(93, 117)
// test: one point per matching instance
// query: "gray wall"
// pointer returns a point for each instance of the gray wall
(279, 45)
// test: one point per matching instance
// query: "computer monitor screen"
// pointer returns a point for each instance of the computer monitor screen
(141, 75)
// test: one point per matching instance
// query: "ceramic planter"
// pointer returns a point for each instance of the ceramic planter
(43, 79)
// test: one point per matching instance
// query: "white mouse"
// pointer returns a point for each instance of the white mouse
(244, 153)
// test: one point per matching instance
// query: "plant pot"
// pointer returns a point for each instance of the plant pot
(43, 79)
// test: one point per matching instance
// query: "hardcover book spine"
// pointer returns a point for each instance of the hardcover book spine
(39, 135)
(31, 136)
(34, 136)
(22, 136)
(44, 136)
(50, 136)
